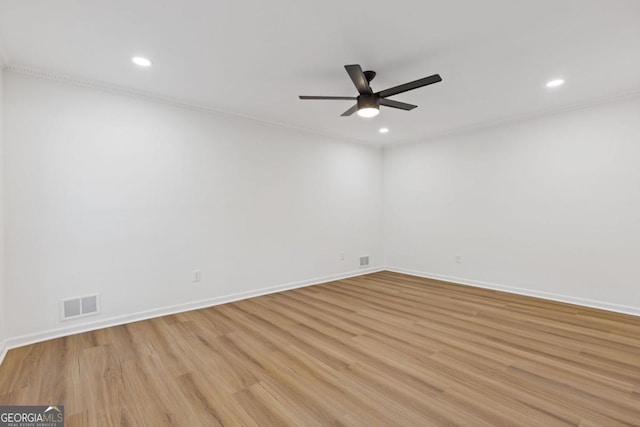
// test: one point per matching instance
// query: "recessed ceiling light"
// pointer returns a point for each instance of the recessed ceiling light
(384, 130)
(139, 60)
(555, 83)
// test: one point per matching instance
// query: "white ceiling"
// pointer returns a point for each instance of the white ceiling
(253, 58)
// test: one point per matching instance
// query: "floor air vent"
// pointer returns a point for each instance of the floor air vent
(364, 261)
(79, 307)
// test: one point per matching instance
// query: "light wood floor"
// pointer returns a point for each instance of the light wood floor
(382, 349)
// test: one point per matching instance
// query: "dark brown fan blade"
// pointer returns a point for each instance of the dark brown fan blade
(396, 104)
(358, 78)
(410, 86)
(328, 97)
(350, 111)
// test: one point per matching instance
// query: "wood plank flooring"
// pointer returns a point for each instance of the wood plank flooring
(383, 349)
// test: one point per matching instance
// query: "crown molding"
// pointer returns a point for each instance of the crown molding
(177, 102)
(494, 123)
(456, 131)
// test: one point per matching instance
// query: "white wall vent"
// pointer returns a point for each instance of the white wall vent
(364, 261)
(79, 307)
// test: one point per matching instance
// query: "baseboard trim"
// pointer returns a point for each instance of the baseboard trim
(584, 302)
(23, 340)
(3, 350)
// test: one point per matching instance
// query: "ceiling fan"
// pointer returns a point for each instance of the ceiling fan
(368, 103)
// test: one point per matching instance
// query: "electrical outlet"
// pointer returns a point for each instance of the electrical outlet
(341, 256)
(196, 276)
(458, 259)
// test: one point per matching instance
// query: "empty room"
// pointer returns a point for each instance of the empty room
(347, 213)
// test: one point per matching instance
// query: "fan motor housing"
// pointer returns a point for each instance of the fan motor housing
(368, 101)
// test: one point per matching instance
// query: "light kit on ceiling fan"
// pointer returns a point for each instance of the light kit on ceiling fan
(368, 106)
(367, 102)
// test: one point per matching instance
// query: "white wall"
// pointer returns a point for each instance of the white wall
(125, 197)
(548, 207)
(2, 290)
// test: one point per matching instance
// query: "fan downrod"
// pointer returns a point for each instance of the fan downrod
(369, 75)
